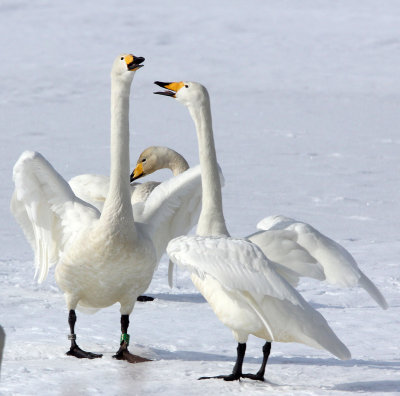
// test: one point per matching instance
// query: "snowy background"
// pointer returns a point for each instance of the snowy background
(305, 100)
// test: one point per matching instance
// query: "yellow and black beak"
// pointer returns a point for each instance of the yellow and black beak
(137, 172)
(172, 87)
(134, 62)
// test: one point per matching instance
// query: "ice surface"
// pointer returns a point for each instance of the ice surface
(305, 100)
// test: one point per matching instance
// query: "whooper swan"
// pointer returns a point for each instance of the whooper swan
(234, 275)
(100, 259)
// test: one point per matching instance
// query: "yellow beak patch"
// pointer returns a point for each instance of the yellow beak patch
(128, 59)
(138, 170)
(175, 86)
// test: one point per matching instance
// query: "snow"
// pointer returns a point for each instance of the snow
(305, 100)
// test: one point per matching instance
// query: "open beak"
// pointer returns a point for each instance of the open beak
(172, 88)
(137, 172)
(134, 62)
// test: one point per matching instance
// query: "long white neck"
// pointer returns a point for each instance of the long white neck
(211, 221)
(117, 209)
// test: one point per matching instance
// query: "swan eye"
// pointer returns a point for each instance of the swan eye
(144, 160)
(122, 58)
(186, 86)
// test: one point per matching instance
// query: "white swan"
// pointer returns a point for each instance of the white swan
(234, 275)
(102, 258)
(295, 248)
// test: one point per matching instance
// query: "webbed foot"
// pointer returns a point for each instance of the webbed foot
(81, 354)
(230, 377)
(124, 354)
(256, 377)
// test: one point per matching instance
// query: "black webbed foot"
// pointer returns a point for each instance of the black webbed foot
(256, 377)
(81, 354)
(124, 354)
(230, 377)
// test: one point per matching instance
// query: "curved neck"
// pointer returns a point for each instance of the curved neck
(176, 162)
(117, 207)
(211, 221)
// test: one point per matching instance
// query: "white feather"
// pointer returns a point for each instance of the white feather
(338, 265)
(238, 281)
(102, 258)
(246, 279)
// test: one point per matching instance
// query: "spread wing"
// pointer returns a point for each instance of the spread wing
(338, 264)
(91, 188)
(289, 258)
(47, 210)
(172, 208)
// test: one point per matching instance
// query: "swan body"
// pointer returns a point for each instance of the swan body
(234, 275)
(101, 258)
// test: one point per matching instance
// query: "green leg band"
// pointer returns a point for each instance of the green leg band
(125, 337)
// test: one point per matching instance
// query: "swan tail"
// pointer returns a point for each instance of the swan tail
(373, 291)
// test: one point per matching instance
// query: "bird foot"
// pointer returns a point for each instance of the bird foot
(145, 298)
(81, 354)
(124, 354)
(256, 377)
(230, 377)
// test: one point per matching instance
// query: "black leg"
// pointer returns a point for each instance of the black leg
(260, 374)
(123, 353)
(75, 350)
(237, 369)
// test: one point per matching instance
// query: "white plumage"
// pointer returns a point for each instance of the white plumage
(102, 258)
(296, 249)
(235, 277)
(248, 295)
(166, 210)
(331, 260)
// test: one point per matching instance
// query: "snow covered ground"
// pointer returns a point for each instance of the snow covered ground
(305, 99)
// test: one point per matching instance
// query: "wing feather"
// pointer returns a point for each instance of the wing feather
(47, 210)
(172, 208)
(340, 268)
(236, 263)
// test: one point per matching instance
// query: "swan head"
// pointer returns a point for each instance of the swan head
(189, 93)
(125, 65)
(149, 161)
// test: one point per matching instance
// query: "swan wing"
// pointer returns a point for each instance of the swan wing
(91, 188)
(141, 191)
(241, 268)
(338, 264)
(172, 208)
(291, 260)
(47, 209)
(236, 264)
